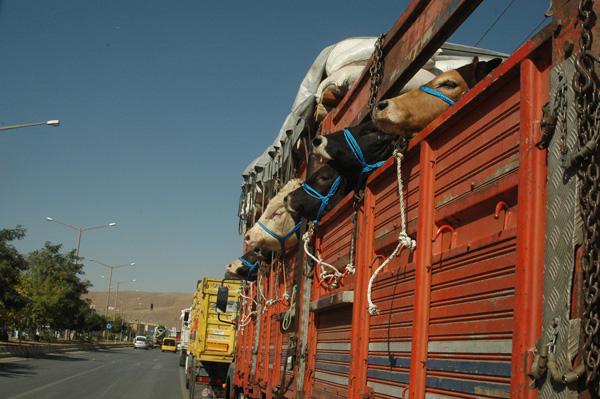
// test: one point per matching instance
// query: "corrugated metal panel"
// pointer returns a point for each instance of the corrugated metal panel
(387, 210)
(390, 331)
(479, 148)
(334, 236)
(471, 320)
(471, 317)
(333, 356)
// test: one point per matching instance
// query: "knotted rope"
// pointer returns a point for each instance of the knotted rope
(404, 240)
(327, 279)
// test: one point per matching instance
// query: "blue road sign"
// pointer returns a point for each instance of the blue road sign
(108, 326)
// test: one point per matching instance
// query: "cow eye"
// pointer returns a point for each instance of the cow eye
(448, 84)
(275, 214)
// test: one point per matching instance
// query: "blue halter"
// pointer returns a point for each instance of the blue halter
(437, 94)
(250, 266)
(323, 198)
(365, 167)
(283, 238)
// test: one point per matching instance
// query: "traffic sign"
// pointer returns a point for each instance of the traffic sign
(108, 326)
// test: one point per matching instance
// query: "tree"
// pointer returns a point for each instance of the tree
(53, 290)
(12, 264)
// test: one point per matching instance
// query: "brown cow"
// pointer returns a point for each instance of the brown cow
(409, 113)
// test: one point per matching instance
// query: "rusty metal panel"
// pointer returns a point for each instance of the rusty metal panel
(333, 353)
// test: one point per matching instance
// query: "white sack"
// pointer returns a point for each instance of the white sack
(342, 79)
(350, 51)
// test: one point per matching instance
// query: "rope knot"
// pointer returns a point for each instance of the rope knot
(407, 241)
(350, 268)
(373, 310)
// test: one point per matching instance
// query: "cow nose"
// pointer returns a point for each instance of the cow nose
(247, 237)
(381, 105)
(286, 199)
(317, 141)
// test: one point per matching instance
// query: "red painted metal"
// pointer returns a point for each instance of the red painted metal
(423, 272)
(532, 217)
(360, 317)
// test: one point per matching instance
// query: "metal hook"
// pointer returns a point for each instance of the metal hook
(441, 229)
(502, 205)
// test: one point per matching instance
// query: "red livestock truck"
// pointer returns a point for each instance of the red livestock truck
(500, 298)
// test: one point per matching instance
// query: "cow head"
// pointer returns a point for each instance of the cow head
(333, 149)
(277, 219)
(239, 267)
(410, 112)
(300, 202)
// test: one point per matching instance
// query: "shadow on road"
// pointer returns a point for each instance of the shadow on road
(15, 370)
(60, 357)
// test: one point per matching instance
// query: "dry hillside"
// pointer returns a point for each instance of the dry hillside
(136, 305)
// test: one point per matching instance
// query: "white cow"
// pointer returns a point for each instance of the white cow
(276, 220)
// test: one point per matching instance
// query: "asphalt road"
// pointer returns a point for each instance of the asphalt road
(116, 373)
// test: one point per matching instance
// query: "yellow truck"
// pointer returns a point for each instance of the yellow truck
(211, 345)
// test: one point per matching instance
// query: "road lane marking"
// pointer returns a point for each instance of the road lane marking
(38, 389)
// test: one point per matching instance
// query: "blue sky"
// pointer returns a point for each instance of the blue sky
(162, 105)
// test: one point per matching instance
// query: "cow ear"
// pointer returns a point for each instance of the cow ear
(467, 72)
(483, 68)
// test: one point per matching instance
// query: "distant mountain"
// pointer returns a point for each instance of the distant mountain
(135, 305)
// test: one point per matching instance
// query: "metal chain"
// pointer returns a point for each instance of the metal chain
(376, 70)
(587, 161)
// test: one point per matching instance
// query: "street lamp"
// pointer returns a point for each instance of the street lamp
(110, 277)
(80, 229)
(52, 122)
(117, 294)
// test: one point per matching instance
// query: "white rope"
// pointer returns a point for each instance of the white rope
(262, 297)
(404, 239)
(246, 320)
(249, 297)
(285, 295)
(287, 316)
(306, 238)
(244, 304)
(275, 300)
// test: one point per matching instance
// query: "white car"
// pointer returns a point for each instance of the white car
(140, 342)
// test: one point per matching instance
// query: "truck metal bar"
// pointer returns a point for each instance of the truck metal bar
(531, 222)
(360, 315)
(413, 39)
(423, 273)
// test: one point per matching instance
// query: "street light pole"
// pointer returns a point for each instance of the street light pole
(80, 230)
(110, 278)
(53, 122)
(117, 294)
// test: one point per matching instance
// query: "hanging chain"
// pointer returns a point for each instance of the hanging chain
(376, 70)
(587, 162)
